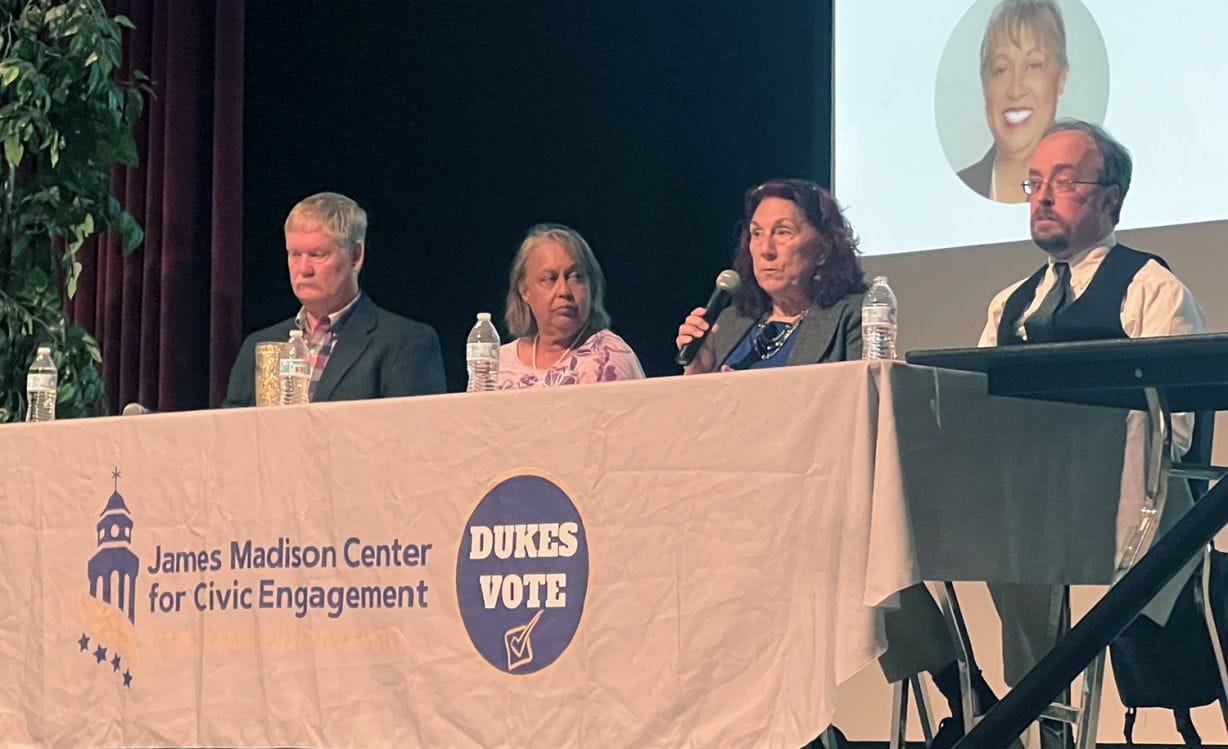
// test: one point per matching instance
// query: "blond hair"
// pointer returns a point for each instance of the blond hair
(1041, 17)
(343, 219)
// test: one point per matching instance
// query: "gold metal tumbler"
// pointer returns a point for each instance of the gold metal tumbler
(268, 359)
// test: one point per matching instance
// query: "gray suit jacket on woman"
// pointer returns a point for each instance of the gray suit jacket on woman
(826, 335)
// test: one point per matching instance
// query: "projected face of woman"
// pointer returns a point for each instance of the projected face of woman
(1021, 84)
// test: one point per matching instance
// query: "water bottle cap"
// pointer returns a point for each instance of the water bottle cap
(296, 333)
(484, 317)
(44, 350)
(880, 279)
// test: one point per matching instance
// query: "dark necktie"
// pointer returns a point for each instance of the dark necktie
(1039, 326)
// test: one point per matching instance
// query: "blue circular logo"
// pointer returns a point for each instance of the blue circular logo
(522, 574)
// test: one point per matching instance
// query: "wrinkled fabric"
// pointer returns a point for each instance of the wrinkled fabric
(744, 531)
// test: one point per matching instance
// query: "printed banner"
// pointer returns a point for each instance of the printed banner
(679, 562)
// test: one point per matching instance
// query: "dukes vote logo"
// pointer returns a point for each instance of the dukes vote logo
(522, 574)
(109, 607)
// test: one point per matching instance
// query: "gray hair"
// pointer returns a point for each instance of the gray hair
(1042, 17)
(518, 317)
(1117, 167)
(343, 219)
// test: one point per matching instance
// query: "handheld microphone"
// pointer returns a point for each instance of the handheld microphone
(726, 283)
(136, 409)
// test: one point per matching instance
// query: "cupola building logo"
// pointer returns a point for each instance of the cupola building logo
(109, 608)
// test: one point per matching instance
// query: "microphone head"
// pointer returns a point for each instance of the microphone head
(135, 409)
(728, 281)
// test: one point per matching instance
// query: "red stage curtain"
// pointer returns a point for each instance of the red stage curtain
(168, 317)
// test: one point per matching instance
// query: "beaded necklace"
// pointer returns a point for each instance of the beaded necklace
(768, 345)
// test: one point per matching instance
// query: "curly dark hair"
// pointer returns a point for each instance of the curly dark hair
(839, 271)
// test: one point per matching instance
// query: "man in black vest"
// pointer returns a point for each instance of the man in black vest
(1091, 288)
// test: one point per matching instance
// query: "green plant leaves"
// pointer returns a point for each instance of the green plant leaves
(13, 151)
(37, 281)
(130, 230)
(125, 150)
(65, 120)
(74, 275)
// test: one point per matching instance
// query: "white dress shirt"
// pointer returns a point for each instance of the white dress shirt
(1156, 304)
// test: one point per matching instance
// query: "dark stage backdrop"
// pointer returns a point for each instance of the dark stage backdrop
(459, 125)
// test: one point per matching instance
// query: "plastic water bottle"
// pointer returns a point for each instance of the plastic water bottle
(482, 355)
(41, 383)
(878, 321)
(295, 370)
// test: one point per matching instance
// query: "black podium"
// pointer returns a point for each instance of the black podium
(1157, 375)
(1192, 371)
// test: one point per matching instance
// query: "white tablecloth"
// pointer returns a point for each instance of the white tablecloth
(740, 531)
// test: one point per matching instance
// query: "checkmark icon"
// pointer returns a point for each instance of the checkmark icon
(519, 643)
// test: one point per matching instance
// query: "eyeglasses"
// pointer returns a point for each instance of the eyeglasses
(1059, 184)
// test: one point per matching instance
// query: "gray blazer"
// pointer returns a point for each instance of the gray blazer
(377, 355)
(826, 335)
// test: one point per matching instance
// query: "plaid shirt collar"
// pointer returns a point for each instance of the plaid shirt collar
(335, 319)
(322, 339)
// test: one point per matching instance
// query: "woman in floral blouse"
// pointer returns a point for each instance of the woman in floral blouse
(556, 315)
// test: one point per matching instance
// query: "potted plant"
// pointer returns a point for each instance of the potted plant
(66, 120)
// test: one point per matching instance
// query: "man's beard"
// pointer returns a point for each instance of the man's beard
(1058, 241)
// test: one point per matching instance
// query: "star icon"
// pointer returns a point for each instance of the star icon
(84, 642)
(127, 678)
(100, 654)
(115, 662)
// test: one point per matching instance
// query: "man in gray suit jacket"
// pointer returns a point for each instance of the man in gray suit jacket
(358, 350)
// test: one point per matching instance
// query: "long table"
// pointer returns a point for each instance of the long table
(675, 562)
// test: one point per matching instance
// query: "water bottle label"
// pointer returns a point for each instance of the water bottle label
(40, 381)
(877, 315)
(295, 368)
(477, 351)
